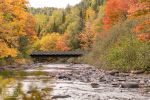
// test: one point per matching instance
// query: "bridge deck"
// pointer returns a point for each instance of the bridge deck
(57, 54)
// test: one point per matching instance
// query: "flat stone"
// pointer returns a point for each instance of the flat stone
(137, 72)
(113, 72)
(129, 85)
(121, 79)
(123, 74)
(60, 97)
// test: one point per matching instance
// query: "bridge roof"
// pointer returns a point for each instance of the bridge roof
(58, 53)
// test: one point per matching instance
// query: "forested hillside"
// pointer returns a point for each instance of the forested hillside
(116, 33)
(69, 23)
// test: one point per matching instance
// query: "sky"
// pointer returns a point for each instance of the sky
(52, 3)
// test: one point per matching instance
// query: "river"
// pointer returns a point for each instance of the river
(75, 82)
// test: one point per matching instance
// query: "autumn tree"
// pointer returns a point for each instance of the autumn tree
(52, 42)
(90, 14)
(41, 22)
(5, 50)
(15, 22)
(116, 10)
(141, 10)
(88, 36)
(63, 43)
(55, 22)
(73, 27)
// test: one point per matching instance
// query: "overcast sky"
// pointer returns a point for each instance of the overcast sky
(52, 3)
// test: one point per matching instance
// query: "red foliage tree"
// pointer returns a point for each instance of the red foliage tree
(141, 7)
(141, 10)
(116, 10)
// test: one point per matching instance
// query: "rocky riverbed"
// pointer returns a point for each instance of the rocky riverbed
(85, 82)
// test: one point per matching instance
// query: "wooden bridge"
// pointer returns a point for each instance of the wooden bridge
(57, 54)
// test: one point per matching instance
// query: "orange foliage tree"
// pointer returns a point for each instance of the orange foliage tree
(15, 21)
(63, 43)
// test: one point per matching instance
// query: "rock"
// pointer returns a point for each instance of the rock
(121, 79)
(93, 70)
(113, 72)
(1, 69)
(69, 79)
(143, 81)
(137, 72)
(59, 96)
(29, 92)
(94, 85)
(129, 85)
(88, 80)
(115, 84)
(70, 74)
(13, 67)
(64, 77)
(102, 79)
(123, 74)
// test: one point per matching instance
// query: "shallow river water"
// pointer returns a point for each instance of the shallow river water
(56, 86)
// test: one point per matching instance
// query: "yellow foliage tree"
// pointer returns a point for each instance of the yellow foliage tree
(90, 14)
(49, 41)
(53, 42)
(15, 21)
(5, 50)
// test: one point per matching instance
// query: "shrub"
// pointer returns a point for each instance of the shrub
(129, 55)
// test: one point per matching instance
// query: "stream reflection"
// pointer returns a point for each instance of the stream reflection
(26, 89)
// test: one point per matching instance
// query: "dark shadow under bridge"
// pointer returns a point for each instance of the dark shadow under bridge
(56, 56)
